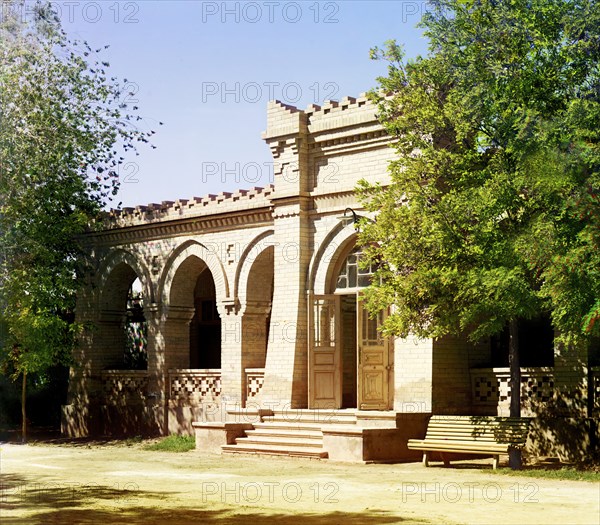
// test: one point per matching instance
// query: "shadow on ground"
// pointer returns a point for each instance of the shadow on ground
(52, 436)
(52, 503)
(146, 516)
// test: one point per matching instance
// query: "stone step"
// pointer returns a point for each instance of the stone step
(281, 441)
(308, 420)
(285, 432)
(275, 450)
(312, 416)
(290, 432)
(281, 425)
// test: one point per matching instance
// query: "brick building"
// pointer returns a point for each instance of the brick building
(251, 309)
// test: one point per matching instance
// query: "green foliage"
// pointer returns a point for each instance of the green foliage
(136, 340)
(64, 126)
(566, 473)
(173, 443)
(136, 333)
(492, 212)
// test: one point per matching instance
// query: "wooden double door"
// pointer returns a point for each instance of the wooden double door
(349, 360)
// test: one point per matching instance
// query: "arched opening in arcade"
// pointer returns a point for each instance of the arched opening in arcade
(256, 322)
(193, 327)
(122, 330)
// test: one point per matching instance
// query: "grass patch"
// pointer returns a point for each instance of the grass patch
(173, 443)
(563, 473)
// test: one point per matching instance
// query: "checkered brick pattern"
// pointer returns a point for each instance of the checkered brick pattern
(540, 388)
(493, 388)
(254, 383)
(485, 390)
(124, 385)
(196, 385)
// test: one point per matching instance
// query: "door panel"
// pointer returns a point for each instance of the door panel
(373, 361)
(324, 351)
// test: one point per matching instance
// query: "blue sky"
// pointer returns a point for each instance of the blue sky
(208, 69)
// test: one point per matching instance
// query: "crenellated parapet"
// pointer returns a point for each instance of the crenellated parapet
(224, 202)
(286, 120)
(315, 150)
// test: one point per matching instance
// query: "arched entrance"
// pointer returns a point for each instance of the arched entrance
(256, 322)
(349, 359)
(205, 327)
(193, 327)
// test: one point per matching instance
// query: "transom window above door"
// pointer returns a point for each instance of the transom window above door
(351, 275)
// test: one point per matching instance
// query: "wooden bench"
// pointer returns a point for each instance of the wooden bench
(485, 435)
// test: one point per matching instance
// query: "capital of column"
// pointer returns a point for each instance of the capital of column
(180, 313)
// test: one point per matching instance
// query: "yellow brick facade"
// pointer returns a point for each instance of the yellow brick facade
(268, 250)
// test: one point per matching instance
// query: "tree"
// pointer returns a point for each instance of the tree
(62, 122)
(492, 211)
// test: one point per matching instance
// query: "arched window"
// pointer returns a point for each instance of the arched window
(136, 329)
(351, 275)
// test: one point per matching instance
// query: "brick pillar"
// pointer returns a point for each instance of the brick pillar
(232, 372)
(571, 380)
(286, 371)
(413, 370)
(84, 383)
(254, 338)
(177, 337)
(157, 371)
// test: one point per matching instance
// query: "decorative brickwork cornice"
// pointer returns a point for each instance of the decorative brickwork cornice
(178, 227)
(349, 141)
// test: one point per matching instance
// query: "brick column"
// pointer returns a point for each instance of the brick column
(413, 370)
(232, 372)
(177, 337)
(571, 380)
(84, 381)
(286, 371)
(157, 372)
(254, 338)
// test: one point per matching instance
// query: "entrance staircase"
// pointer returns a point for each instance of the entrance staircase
(290, 433)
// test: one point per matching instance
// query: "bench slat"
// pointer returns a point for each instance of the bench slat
(501, 439)
(477, 425)
(464, 450)
(462, 437)
(459, 424)
(460, 444)
(492, 428)
(476, 432)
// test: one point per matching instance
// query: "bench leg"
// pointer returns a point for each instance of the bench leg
(445, 459)
(495, 462)
(425, 459)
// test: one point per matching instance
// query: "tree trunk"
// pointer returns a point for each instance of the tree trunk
(24, 409)
(514, 455)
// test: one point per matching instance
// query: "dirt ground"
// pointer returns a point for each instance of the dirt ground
(115, 483)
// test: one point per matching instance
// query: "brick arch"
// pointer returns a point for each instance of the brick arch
(327, 258)
(117, 272)
(181, 256)
(252, 252)
(119, 260)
